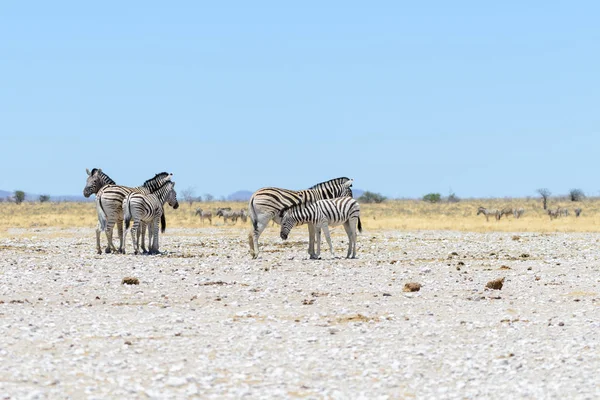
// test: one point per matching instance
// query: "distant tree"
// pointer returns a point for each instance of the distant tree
(199, 199)
(44, 198)
(576, 194)
(19, 196)
(545, 193)
(452, 197)
(370, 197)
(209, 197)
(432, 197)
(188, 195)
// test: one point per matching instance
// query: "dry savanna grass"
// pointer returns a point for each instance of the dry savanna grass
(407, 215)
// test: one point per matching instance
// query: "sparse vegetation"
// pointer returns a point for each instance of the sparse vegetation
(188, 195)
(19, 196)
(576, 195)
(545, 193)
(432, 198)
(370, 197)
(44, 198)
(452, 198)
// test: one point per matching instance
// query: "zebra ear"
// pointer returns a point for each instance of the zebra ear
(349, 183)
(88, 172)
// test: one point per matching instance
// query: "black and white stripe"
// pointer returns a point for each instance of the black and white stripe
(96, 180)
(204, 215)
(148, 208)
(266, 204)
(323, 214)
(109, 205)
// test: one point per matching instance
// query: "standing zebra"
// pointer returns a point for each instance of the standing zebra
(148, 208)
(227, 213)
(323, 214)
(204, 215)
(109, 201)
(506, 211)
(577, 212)
(518, 212)
(266, 204)
(553, 214)
(489, 212)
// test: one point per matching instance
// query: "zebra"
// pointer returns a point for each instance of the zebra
(488, 212)
(227, 213)
(563, 212)
(96, 180)
(577, 212)
(518, 212)
(266, 204)
(243, 215)
(204, 214)
(506, 211)
(148, 208)
(323, 214)
(553, 214)
(109, 201)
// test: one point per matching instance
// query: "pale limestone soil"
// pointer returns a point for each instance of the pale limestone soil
(207, 321)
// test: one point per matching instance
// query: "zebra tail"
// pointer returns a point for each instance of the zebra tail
(359, 225)
(101, 215)
(127, 215)
(253, 214)
(163, 223)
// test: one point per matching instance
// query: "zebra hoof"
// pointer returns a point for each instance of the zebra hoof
(108, 250)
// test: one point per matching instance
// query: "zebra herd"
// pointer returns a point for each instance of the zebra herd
(518, 212)
(498, 214)
(144, 205)
(321, 206)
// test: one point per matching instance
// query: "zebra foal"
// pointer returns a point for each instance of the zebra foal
(266, 204)
(323, 214)
(148, 208)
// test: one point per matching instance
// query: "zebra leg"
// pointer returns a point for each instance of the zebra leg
(143, 240)
(134, 235)
(98, 247)
(260, 224)
(110, 247)
(311, 241)
(154, 246)
(328, 238)
(351, 240)
(318, 239)
(120, 231)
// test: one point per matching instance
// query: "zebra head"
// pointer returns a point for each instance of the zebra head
(95, 181)
(287, 223)
(480, 210)
(172, 198)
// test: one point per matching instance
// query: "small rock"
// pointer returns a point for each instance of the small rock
(496, 284)
(130, 280)
(412, 287)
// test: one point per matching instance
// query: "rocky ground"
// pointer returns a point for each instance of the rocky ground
(206, 321)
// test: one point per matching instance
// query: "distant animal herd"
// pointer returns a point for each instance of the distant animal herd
(326, 204)
(518, 212)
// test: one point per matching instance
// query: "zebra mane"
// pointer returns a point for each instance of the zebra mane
(334, 181)
(156, 178)
(107, 178)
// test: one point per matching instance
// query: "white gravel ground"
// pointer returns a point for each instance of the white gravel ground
(206, 321)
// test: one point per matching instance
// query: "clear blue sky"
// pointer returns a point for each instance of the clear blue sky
(407, 98)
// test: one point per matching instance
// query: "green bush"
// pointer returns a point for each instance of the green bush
(370, 197)
(19, 196)
(432, 197)
(44, 198)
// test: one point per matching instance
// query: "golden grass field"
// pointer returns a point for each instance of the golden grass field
(409, 215)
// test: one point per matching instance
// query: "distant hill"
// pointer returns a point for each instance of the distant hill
(240, 195)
